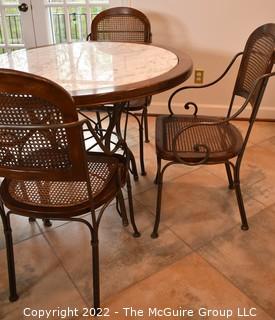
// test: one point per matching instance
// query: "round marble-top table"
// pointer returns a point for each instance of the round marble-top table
(104, 72)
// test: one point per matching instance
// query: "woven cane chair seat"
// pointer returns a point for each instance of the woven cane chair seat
(61, 196)
(223, 141)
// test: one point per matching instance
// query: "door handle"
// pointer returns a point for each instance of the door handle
(23, 7)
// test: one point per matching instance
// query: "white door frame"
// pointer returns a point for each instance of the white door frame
(27, 25)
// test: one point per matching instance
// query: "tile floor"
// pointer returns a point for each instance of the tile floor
(202, 261)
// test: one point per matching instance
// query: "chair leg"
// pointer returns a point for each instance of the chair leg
(130, 156)
(159, 179)
(145, 121)
(238, 191)
(141, 147)
(120, 206)
(136, 233)
(10, 255)
(158, 170)
(229, 176)
(96, 280)
(133, 165)
(47, 222)
(241, 207)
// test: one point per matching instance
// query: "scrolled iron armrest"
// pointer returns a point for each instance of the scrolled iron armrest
(205, 123)
(247, 100)
(186, 106)
(192, 104)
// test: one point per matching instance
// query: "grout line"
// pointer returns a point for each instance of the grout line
(148, 275)
(234, 284)
(24, 239)
(66, 271)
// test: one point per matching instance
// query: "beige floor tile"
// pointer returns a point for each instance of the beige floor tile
(198, 206)
(124, 260)
(257, 171)
(190, 284)
(147, 182)
(250, 171)
(262, 131)
(21, 230)
(248, 259)
(260, 159)
(41, 281)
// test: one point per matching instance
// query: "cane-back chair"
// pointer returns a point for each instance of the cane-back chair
(197, 140)
(125, 24)
(47, 172)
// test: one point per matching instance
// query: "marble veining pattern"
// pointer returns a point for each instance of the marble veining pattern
(93, 65)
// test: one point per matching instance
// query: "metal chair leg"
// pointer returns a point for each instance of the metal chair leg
(136, 233)
(130, 156)
(229, 176)
(96, 280)
(145, 121)
(10, 255)
(244, 225)
(47, 222)
(133, 165)
(141, 148)
(159, 180)
(158, 170)
(120, 205)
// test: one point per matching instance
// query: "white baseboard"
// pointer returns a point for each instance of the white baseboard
(265, 112)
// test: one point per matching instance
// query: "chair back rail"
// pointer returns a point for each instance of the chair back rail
(122, 24)
(40, 135)
(257, 60)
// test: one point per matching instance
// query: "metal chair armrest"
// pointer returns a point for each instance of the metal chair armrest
(187, 105)
(214, 123)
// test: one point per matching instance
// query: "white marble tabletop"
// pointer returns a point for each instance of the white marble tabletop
(84, 68)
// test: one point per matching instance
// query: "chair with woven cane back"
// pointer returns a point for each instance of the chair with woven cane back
(47, 172)
(203, 140)
(125, 24)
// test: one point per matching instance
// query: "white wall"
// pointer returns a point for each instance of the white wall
(211, 32)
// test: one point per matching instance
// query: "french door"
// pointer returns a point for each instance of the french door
(16, 29)
(31, 23)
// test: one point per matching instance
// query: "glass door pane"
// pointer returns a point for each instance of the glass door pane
(16, 28)
(70, 20)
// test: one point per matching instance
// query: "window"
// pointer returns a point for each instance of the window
(70, 20)
(48, 21)
(10, 26)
